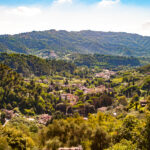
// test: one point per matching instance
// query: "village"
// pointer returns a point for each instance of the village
(70, 104)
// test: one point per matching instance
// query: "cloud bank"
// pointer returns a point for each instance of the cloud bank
(108, 2)
(63, 1)
(72, 15)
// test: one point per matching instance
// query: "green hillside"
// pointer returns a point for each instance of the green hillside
(144, 69)
(104, 61)
(28, 97)
(31, 65)
(45, 43)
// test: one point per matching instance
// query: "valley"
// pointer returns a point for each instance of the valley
(56, 103)
(74, 90)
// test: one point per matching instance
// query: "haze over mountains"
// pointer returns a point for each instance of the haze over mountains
(59, 43)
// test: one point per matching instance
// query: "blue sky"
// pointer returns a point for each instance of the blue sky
(45, 2)
(24, 2)
(137, 2)
(131, 16)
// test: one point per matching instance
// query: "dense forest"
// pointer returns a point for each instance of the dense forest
(31, 65)
(144, 69)
(99, 132)
(103, 61)
(28, 97)
(44, 43)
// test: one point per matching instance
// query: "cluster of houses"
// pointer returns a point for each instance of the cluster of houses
(72, 98)
(106, 74)
(99, 89)
(44, 118)
(8, 113)
(143, 103)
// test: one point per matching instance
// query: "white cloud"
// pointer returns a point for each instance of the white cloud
(108, 2)
(63, 1)
(24, 11)
(74, 16)
(146, 26)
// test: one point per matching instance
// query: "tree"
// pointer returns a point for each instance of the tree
(123, 145)
(135, 99)
(147, 133)
(4, 144)
(148, 103)
(66, 82)
(122, 100)
(17, 139)
(100, 140)
(2, 118)
(89, 109)
(128, 128)
(105, 100)
(53, 144)
(146, 85)
(61, 107)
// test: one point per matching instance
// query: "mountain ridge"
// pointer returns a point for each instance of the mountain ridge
(42, 43)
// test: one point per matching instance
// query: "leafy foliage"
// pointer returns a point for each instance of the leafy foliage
(30, 98)
(103, 61)
(62, 42)
(144, 69)
(31, 65)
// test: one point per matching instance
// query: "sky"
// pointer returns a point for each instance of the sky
(132, 16)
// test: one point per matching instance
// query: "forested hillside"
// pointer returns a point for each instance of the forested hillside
(28, 97)
(31, 65)
(45, 43)
(103, 61)
(145, 69)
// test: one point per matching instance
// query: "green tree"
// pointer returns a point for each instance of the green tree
(100, 140)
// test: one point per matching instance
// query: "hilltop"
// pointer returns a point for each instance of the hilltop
(54, 43)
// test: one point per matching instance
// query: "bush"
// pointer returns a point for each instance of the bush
(123, 145)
